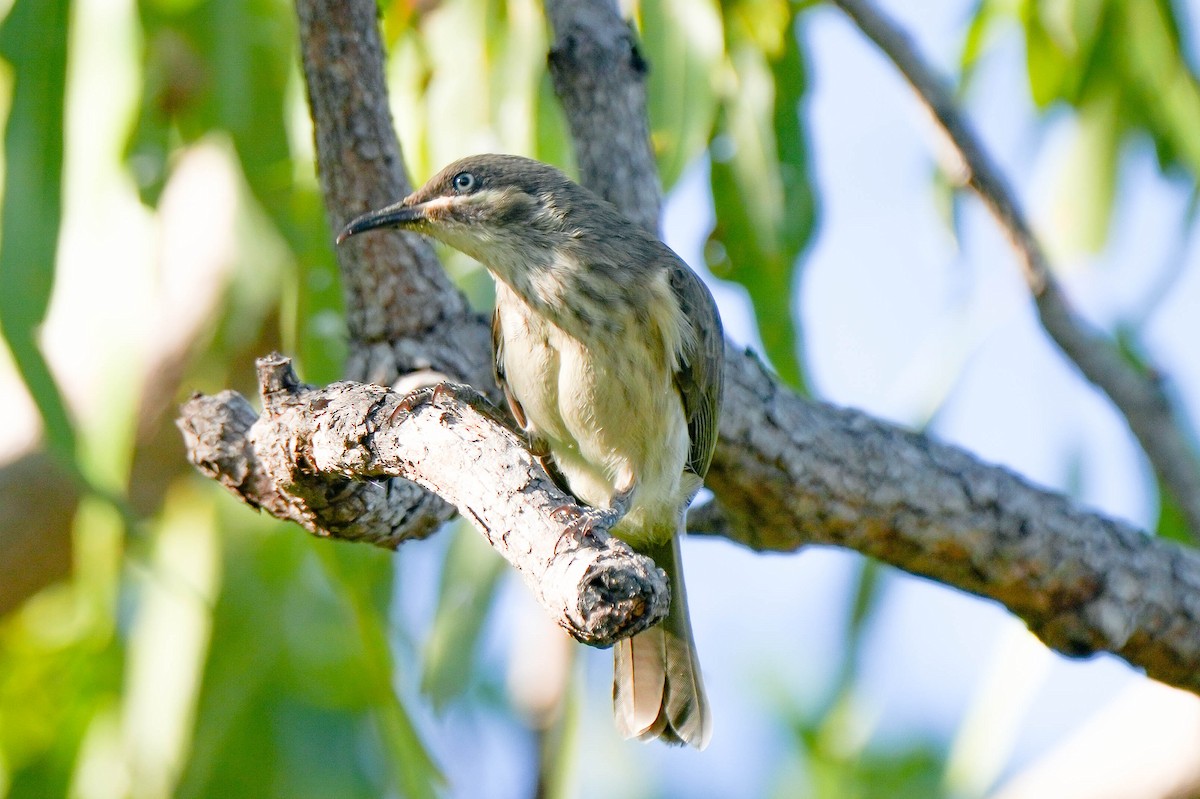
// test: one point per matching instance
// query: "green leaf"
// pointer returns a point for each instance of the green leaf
(1047, 65)
(470, 575)
(414, 768)
(762, 189)
(683, 44)
(1172, 524)
(552, 134)
(34, 42)
(1087, 188)
(1161, 78)
(60, 666)
(222, 67)
(298, 697)
(974, 43)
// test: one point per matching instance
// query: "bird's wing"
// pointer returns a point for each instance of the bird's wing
(700, 377)
(498, 370)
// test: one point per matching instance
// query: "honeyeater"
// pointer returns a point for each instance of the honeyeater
(609, 351)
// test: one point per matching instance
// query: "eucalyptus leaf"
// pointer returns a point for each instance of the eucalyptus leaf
(1124, 67)
(683, 42)
(34, 41)
(762, 190)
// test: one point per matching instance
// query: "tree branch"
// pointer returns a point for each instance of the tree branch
(309, 444)
(403, 313)
(599, 76)
(1139, 397)
(1083, 583)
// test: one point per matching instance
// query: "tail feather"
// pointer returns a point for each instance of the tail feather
(638, 694)
(658, 691)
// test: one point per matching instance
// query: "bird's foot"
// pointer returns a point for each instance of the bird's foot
(580, 525)
(445, 392)
(410, 402)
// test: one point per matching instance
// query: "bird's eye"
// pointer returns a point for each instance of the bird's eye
(464, 182)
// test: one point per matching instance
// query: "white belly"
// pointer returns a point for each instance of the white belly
(610, 413)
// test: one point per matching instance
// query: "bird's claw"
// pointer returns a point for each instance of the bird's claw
(445, 393)
(411, 401)
(580, 525)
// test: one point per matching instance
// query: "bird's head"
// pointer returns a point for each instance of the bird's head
(487, 206)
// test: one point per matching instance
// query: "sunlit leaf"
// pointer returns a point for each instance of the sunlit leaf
(684, 46)
(1163, 80)
(33, 41)
(1087, 188)
(470, 574)
(1123, 66)
(1048, 66)
(222, 67)
(60, 667)
(762, 192)
(978, 30)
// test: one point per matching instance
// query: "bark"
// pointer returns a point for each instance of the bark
(599, 75)
(309, 444)
(403, 313)
(827, 475)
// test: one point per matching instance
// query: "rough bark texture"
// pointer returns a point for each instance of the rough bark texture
(402, 312)
(309, 444)
(1083, 583)
(786, 472)
(599, 76)
(1138, 396)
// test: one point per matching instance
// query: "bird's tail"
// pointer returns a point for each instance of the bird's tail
(657, 688)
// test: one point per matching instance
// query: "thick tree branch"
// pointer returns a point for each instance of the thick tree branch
(1139, 397)
(1083, 583)
(403, 314)
(310, 443)
(599, 76)
(402, 311)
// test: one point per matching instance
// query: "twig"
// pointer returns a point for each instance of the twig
(1139, 397)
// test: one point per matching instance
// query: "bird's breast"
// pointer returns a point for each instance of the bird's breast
(605, 402)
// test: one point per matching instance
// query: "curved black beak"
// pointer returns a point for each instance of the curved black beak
(396, 215)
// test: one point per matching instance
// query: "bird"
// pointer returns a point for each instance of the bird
(609, 351)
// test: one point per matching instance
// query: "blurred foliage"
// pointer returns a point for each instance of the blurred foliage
(1124, 66)
(471, 572)
(223, 68)
(728, 81)
(762, 191)
(33, 146)
(200, 650)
